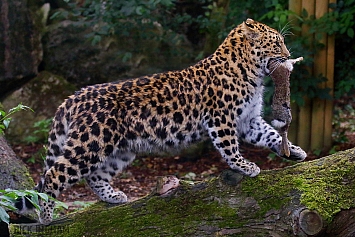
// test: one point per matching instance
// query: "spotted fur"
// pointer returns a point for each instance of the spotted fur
(97, 131)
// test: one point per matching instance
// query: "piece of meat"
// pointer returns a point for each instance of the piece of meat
(281, 111)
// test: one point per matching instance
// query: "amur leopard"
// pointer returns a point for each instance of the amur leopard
(98, 131)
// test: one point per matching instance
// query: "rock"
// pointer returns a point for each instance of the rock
(20, 48)
(43, 94)
(69, 52)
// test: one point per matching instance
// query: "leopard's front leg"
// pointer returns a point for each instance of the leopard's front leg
(260, 133)
(224, 138)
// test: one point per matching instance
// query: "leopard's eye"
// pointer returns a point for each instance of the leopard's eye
(278, 44)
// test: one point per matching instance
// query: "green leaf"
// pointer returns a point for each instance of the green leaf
(332, 5)
(18, 108)
(61, 205)
(34, 203)
(4, 216)
(127, 56)
(350, 32)
(6, 122)
(283, 18)
(43, 196)
(54, 15)
(8, 205)
(96, 39)
(139, 10)
(13, 193)
(7, 199)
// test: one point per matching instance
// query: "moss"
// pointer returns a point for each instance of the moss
(158, 216)
(324, 185)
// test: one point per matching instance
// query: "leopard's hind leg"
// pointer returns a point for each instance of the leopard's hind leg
(99, 179)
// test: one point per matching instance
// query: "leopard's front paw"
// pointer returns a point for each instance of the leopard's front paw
(296, 153)
(250, 169)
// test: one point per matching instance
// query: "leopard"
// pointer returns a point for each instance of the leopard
(99, 130)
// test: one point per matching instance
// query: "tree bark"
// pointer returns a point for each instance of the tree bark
(13, 174)
(314, 198)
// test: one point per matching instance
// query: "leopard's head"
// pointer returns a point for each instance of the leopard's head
(265, 42)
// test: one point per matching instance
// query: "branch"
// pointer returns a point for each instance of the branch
(308, 199)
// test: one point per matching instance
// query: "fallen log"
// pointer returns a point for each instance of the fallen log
(314, 198)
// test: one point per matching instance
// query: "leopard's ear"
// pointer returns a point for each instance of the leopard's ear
(249, 29)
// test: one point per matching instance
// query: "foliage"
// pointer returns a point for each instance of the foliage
(59, 208)
(136, 20)
(167, 20)
(8, 198)
(343, 122)
(39, 156)
(82, 204)
(5, 118)
(340, 22)
(40, 134)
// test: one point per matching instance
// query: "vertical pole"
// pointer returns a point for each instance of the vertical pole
(311, 127)
(319, 68)
(296, 7)
(305, 112)
(330, 84)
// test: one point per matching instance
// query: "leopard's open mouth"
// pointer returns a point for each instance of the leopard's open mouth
(274, 60)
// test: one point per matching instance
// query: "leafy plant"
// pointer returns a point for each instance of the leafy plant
(59, 208)
(164, 20)
(111, 17)
(5, 118)
(82, 204)
(39, 156)
(40, 134)
(8, 198)
(343, 122)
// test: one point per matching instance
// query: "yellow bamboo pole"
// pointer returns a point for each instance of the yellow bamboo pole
(295, 6)
(330, 84)
(319, 68)
(305, 112)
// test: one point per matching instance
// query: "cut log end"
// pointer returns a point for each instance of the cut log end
(310, 222)
(307, 222)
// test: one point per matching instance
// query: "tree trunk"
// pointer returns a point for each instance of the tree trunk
(313, 198)
(13, 174)
(20, 48)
